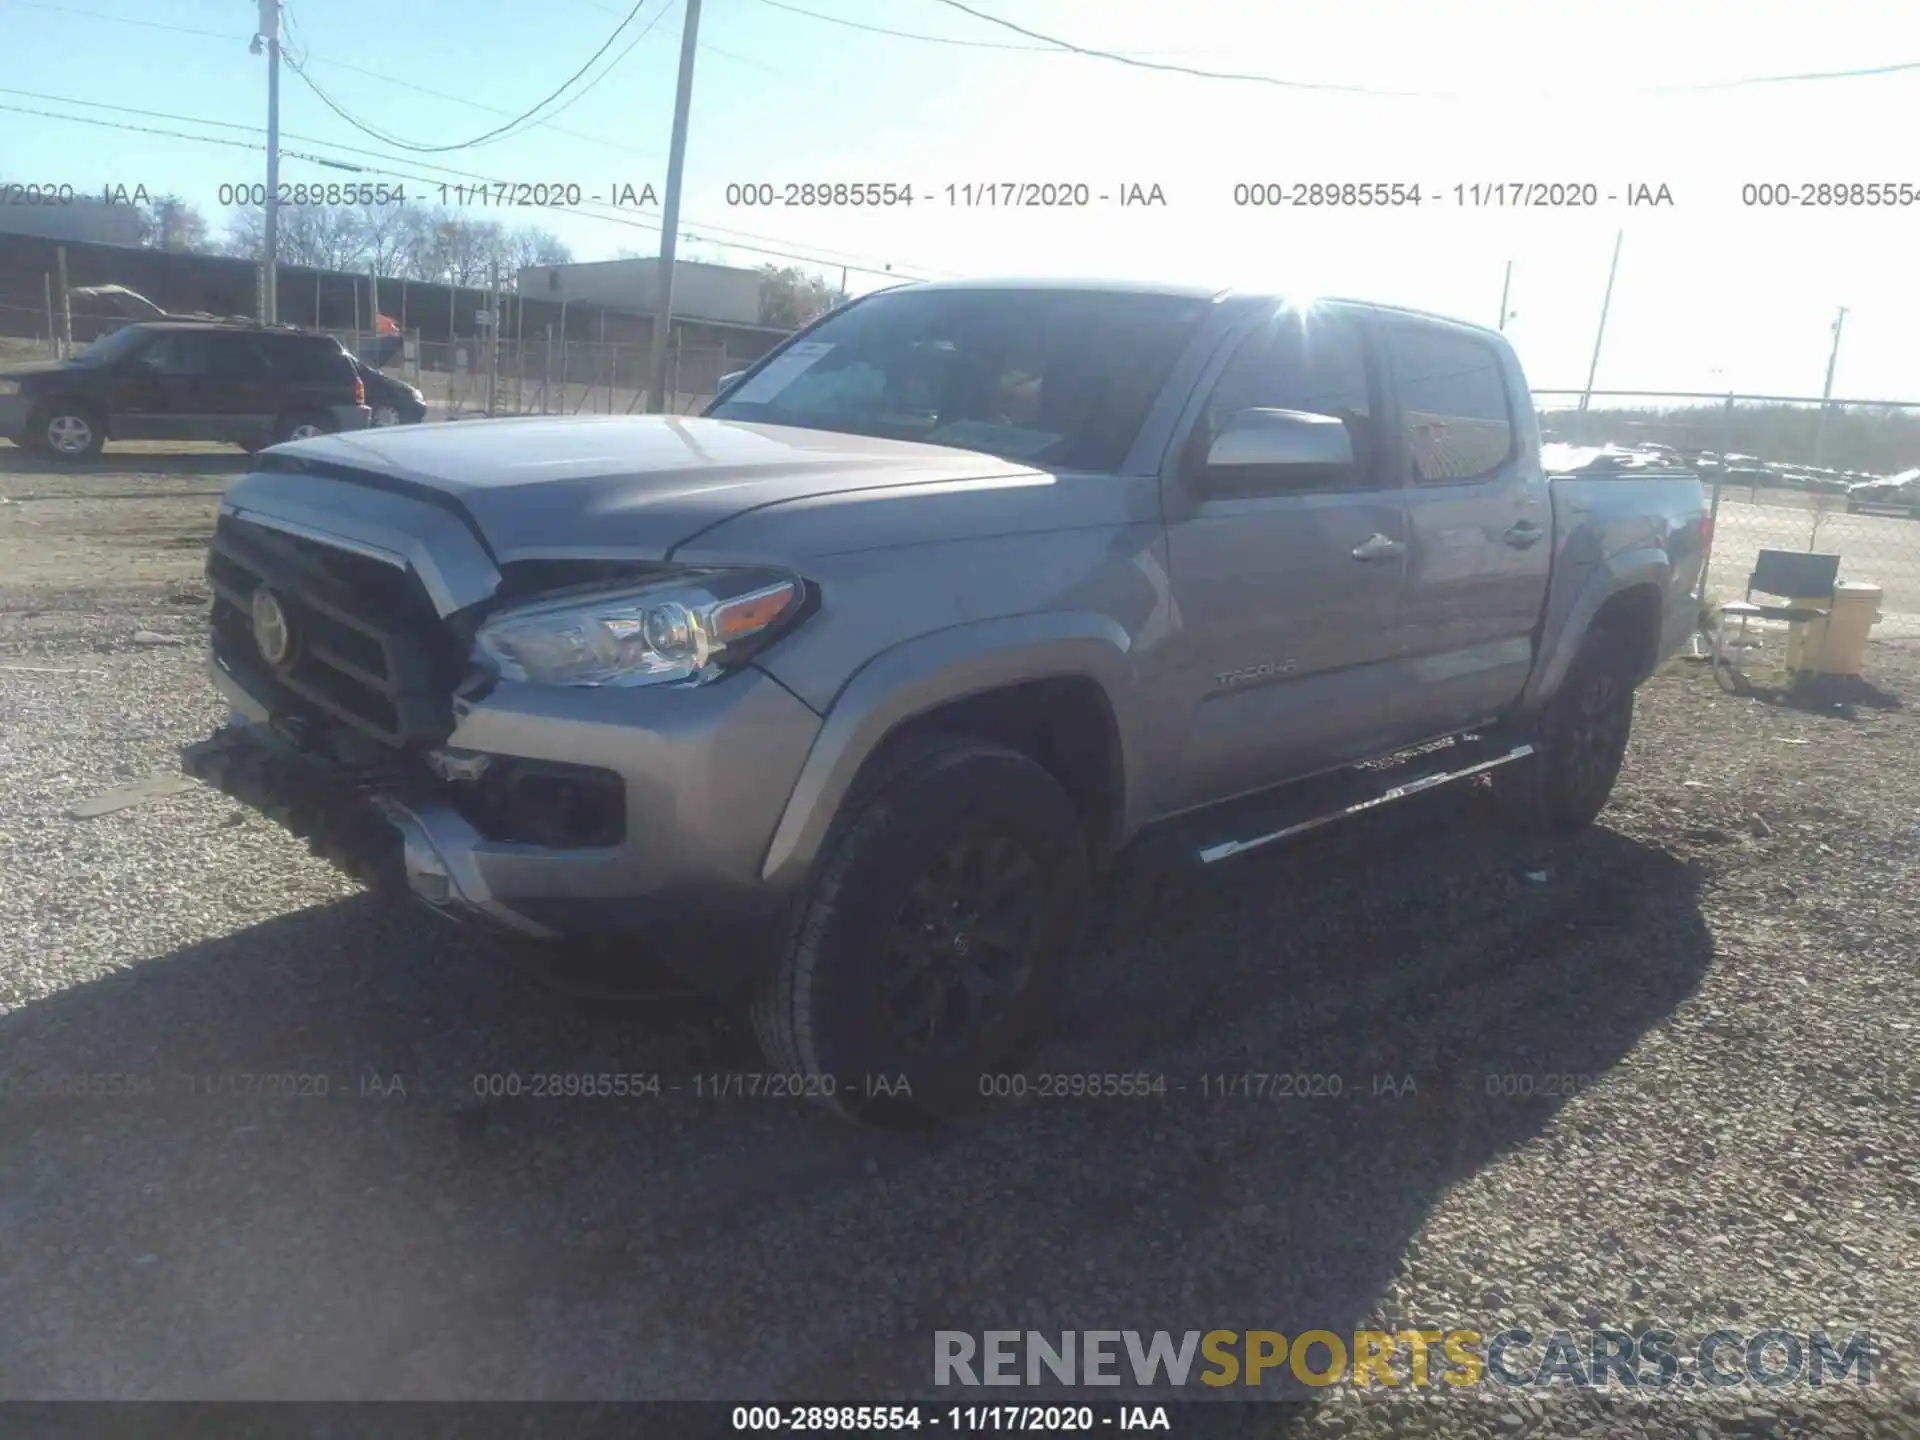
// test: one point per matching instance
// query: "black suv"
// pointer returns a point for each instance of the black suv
(254, 385)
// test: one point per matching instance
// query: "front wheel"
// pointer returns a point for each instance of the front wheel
(67, 431)
(929, 944)
(1579, 744)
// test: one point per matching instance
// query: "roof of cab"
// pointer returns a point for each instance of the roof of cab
(1193, 292)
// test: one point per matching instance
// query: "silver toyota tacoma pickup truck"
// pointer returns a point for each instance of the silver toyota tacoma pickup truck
(837, 697)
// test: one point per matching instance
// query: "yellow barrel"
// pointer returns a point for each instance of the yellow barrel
(1842, 641)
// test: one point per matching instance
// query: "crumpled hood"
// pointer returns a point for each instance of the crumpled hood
(548, 487)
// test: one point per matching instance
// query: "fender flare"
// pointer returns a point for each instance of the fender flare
(1647, 565)
(922, 674)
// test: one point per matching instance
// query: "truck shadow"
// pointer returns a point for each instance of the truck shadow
(1420, 993)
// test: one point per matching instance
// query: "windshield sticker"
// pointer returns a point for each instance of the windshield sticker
(1010, 440)
(794, 362)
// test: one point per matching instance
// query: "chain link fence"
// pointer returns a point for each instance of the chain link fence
(538, 376)
(1783, 473)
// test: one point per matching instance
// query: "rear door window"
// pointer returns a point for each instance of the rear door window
(1455, 414)
(177, 352)
(236, 356)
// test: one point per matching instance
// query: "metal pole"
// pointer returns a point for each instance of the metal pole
(316, 299)
(563, 355)
(1826, 391)
(270, 285)
(1601, 334)
(493, 332)
(373, 301)
(53, 334)
(670, 215)
(546, 385)
(605, 356)
(66, 304)
(1719, 483)
(1506, 287)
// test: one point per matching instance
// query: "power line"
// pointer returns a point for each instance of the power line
(1121, 58)
(716, 234)
(127, 20)
(1069, 47)
(705, 235)
(586, 89)
(940, 39)
(499, 131)
(307, 57)
(909, 35)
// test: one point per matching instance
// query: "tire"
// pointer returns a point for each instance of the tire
(69, 431)
(302, 425)
(1579, 743)
(384, 416)
(875, 945)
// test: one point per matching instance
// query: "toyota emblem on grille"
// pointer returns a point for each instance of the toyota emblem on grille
(271, 632)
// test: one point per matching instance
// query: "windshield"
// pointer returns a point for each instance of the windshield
(109, 348)
(1058, 378)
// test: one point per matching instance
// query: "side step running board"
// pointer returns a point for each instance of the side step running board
(1226, 849)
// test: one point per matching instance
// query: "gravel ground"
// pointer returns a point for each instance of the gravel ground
(1727, 965)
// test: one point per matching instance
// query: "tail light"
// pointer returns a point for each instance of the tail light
(359, 391)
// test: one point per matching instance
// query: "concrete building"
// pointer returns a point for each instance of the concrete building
(722, 294)
(69, 218)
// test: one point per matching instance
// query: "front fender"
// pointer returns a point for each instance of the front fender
(922, 674)
(1569, 618)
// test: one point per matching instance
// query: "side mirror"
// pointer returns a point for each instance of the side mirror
(1249, 445)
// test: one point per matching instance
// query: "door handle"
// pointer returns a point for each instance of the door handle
(1378, 547)
(1522, 533)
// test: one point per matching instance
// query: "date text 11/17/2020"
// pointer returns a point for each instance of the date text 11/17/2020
(961, 1419)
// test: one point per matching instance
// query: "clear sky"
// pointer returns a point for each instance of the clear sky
(1712, 294)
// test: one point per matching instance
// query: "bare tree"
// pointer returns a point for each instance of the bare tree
(314, 237)
(170, 223)
(387, 238)
(790, 297)
(432, 244)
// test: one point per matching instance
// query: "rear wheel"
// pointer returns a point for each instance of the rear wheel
(1579, 744)
(929, 945)
(67, 430)
(303, 426)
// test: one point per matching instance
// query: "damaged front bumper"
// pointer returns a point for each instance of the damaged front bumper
(373, 824)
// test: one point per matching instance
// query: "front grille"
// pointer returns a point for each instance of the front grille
(368, 647)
